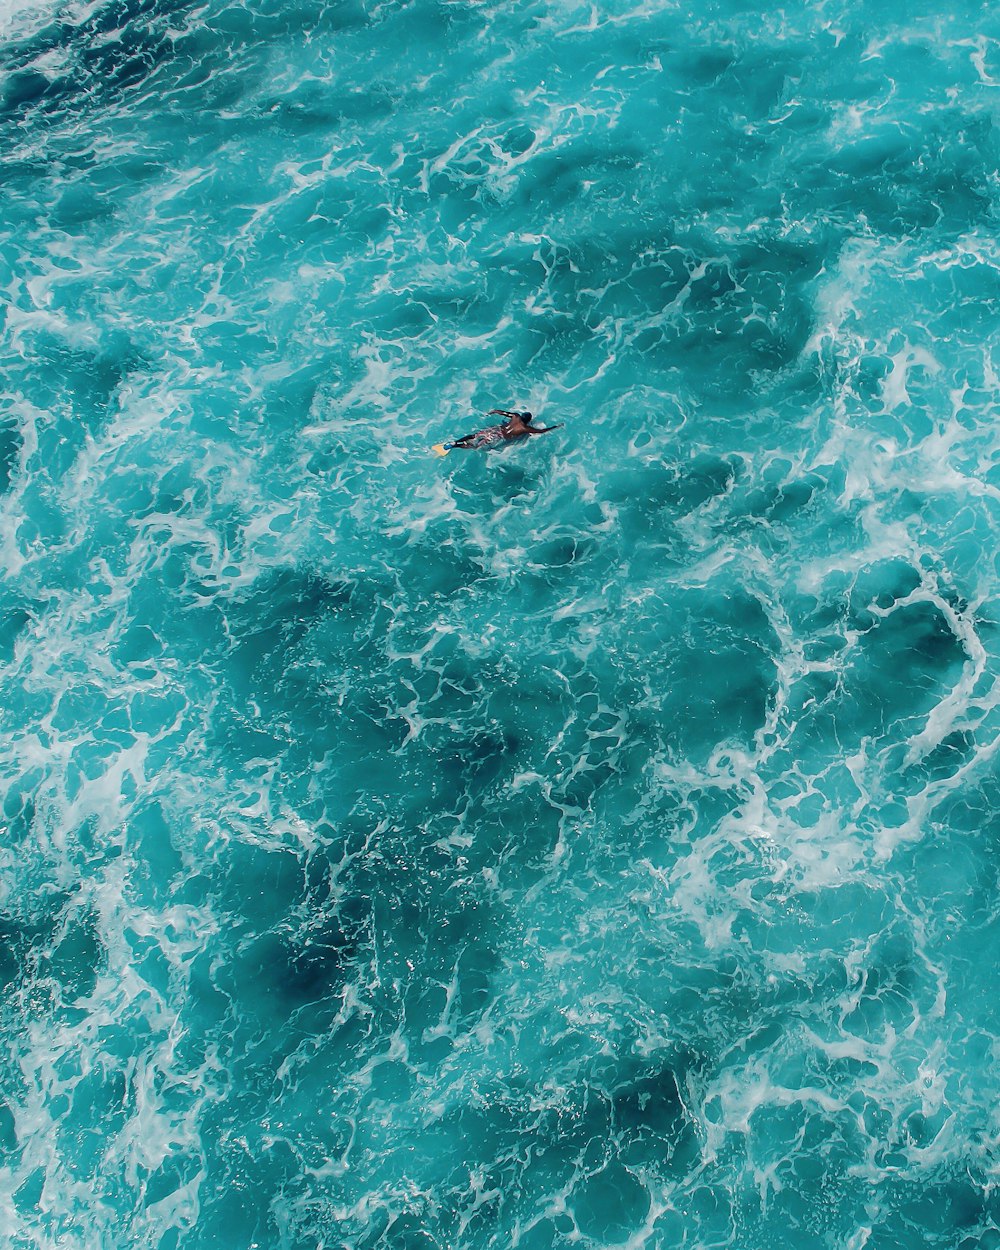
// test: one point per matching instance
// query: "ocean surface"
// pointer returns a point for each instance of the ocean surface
(592, 843)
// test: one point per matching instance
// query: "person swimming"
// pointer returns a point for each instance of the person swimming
(517, 425)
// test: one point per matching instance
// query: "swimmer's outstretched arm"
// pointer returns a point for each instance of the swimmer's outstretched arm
(501, 412)
(545, 429)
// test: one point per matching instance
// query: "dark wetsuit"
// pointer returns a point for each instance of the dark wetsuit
(518, 425)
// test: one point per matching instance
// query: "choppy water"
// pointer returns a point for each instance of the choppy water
(590, 843)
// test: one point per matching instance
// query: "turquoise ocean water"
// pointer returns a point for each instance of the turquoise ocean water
(588, 844)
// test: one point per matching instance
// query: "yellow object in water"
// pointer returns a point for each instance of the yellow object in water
(441, 449)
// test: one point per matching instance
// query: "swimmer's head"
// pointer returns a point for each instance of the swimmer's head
(526, 417)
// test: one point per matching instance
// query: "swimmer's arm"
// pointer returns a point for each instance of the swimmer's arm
(546, 429)
(501, 412)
